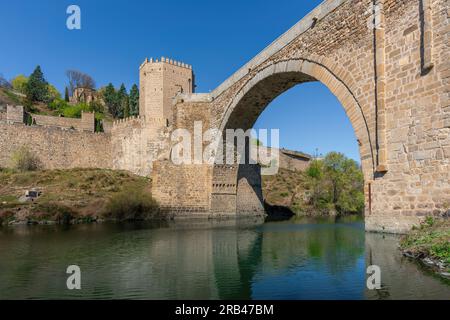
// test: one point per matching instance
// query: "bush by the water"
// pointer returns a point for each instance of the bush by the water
(333, 185)
(336, 183)
(24, 160)
(54, 212)
(132, 205)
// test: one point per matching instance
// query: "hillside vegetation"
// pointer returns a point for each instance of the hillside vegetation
(76, 195)
(40, 97)
(9, 97)
(330, 186)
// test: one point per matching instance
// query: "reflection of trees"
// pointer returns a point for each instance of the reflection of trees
(337, 247)
(280, 248)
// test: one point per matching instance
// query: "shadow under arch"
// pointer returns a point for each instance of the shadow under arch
(268, 82)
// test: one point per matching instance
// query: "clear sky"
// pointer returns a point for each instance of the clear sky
(216, 37)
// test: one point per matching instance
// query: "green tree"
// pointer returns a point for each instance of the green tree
(122, 99)
(315, 183)
(19, 83)
(134, 100)
(335, 183)
(66, 94)
(53, 93)
(126, 107)
(346, 183)
(110, 99)
(36, 88)
(4, 83)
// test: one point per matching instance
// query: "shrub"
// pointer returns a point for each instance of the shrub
(132, 205)
(19, 83)
(24, 160)
(55, 212)
(6, 217)
(58, 104)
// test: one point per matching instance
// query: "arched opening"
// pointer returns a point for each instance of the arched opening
(252, 99)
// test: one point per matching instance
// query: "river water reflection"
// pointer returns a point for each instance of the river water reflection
(245, 259)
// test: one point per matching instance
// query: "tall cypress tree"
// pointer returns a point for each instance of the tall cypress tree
(110, 98)
(66, 94)
(134, 100)
(126, 107)
(36, 88)
(121, 97)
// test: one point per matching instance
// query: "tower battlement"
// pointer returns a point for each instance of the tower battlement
(165, 60)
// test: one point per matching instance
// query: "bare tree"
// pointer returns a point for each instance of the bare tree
(78, 79)
(4, 83)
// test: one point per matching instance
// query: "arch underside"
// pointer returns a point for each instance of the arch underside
(270, 82)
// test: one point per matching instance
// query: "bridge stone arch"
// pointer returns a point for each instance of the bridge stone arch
(249, 102)
(275, 79)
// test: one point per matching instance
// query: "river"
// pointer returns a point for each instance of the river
(244, 259)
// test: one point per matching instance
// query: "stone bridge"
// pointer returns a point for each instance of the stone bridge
(387, 62)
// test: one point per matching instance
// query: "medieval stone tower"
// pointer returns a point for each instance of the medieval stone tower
(160, 81)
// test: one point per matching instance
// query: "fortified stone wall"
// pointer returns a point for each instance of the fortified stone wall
(56, 148)
(287, 159)
(86, 123)
(136, 142)
(14, 114)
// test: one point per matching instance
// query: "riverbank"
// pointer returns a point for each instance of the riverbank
(430, 244)
(75, 196)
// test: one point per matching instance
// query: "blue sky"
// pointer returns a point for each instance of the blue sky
(216, 37)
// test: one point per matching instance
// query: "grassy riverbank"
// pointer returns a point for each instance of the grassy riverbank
(430, 243)
(76, 195)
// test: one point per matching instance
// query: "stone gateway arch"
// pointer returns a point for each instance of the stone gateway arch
(386, 61)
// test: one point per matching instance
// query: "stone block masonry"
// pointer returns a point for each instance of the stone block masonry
(86, 123)
(14, 114)
(56, 148)
(182, 189)
(136, 142)
(160, 81)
